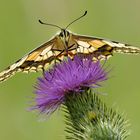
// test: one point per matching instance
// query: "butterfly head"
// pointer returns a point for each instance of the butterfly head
(64, 33)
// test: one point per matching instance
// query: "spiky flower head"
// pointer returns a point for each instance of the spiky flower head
(67, 77)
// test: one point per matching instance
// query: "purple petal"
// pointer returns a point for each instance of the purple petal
(67, 76)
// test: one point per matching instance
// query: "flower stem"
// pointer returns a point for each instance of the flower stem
(88, 118)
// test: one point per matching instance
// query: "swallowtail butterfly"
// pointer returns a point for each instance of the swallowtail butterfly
(66, 44)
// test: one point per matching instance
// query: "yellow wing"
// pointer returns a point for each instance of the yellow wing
(101, 48)
(36, 60)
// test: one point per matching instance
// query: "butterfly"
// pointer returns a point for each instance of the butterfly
(67, 44)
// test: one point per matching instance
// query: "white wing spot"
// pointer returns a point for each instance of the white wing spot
(22, 60)
(39, 58)
(83, 44)
(110, 43)
(46, 50)
(45, 57)
(50, 54)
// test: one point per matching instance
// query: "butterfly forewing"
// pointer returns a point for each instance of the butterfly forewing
(101, 48)
(34, 61)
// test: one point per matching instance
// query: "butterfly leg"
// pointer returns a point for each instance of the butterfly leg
(43, 71)
(56, 60)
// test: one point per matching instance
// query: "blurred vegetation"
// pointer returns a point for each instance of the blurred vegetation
(21, 32)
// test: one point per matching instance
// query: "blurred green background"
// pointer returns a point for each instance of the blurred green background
(20, 32)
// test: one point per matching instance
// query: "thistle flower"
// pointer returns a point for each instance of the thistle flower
(67, 77)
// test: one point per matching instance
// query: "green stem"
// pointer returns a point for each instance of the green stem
(87, 118)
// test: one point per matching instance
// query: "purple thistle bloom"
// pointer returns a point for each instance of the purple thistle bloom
(69, 76)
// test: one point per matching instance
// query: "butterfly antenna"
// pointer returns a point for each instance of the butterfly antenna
(49, 24)
(76, 20)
